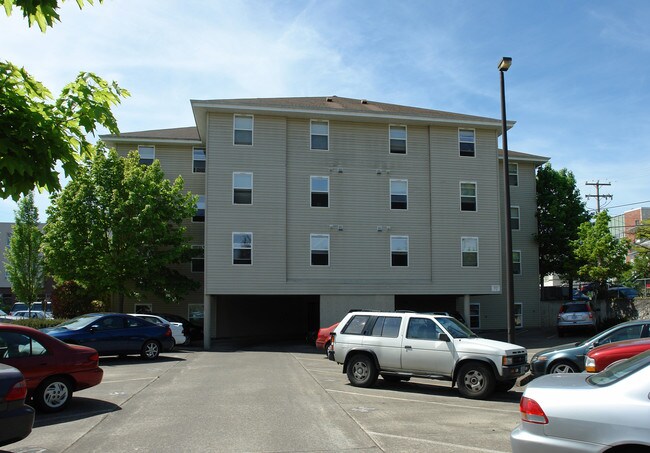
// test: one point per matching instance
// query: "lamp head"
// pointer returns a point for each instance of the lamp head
(505, 63)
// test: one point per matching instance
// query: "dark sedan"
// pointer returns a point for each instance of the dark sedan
(570, 358)
(115, 334)
(53, 370)
(193, 332)
(16, 418)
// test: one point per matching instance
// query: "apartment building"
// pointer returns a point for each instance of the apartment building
(310, 207)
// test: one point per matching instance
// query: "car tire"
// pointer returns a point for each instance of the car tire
(475, 380)
(505, 386)
(563, 366)
(362, 371)
(150, 350)
(54, 394)
(187, 341)
(327, 346)
(173, 345)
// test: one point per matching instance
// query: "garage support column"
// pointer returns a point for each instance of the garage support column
(207, 322)
(466, 300)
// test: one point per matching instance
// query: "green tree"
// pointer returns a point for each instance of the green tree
(42, 12)
(603, 255)
(24, 263)
(116, 228)
(37, 131)
(641, 249)
(560, 212)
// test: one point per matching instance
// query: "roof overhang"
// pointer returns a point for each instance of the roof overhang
(201, 108)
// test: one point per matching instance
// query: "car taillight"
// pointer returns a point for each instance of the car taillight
(531, 411)
(94, 357)
(17, 392)
(168, 333)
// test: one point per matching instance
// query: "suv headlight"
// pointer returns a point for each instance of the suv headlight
(507, 361)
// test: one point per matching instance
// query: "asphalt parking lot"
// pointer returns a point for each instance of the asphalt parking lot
(271, 398)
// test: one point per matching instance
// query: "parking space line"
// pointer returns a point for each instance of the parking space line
(409, 400)
(435, 442)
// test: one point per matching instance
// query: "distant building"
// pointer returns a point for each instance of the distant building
(625, 225)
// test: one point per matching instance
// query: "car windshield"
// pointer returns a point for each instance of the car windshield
(620, 370)
(455, 328)
(79, 322)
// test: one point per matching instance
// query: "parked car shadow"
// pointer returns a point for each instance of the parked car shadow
(78, 409)
(442, 388)
(105, 361)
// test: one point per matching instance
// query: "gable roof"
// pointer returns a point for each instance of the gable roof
(331, 107)
(524, 157)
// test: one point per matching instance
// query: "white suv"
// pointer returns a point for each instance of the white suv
(401, 345)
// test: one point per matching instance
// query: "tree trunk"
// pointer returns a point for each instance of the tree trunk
(120, 306)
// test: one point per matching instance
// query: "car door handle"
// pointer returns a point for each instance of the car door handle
(408, 347)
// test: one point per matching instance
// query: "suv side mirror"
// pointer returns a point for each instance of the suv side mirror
(443, 337)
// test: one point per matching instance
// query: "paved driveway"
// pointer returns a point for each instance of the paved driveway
(278, 398)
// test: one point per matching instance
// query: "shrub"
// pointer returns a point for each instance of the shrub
(70, 300)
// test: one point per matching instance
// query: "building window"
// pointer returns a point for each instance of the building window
(516, 262)
(320, 191)
(399, 251)
(519, 314)
(397, 139)
(200, 210)
(198, 160)
(514, 217)
(468, 196)
(242, 248)
(466, 142)
(399, 193)
(513, 174)
(243, 130)
(198, 261)
(147, 154)
(469, 252)
(195, 313)
(142, 308)
(320, 249)
(474, 316)
(242, 188)
(320, 135)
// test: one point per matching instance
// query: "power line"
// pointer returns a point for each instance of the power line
(629, 204)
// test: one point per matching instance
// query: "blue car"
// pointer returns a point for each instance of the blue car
(115, 334)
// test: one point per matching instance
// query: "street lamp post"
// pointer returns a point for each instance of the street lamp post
(504, 65)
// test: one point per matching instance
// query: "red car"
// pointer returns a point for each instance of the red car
(53, 369)
(599, 358)
(324, 337)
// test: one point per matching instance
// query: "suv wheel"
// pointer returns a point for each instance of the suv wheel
(362, 371)
(475, 381)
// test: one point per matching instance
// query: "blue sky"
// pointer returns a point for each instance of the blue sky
(579, 86)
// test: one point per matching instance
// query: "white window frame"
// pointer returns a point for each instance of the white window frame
(460, 189)
(153, 154)
(463, 251)
(515, 173)
(517, 217)
(395, 237)
(312, 191)
(200, 202)
(241, 248)
(406, 181)
(473, 142)
(194, 159)
(197, 307)
(235, 129)
(312, 249)
(390, 138)
(234, 187)
(311, 134)
(519, 314)
(516, 252)
(477, 316)
(202, 258)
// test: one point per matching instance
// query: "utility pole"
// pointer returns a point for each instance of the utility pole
(598, 196)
